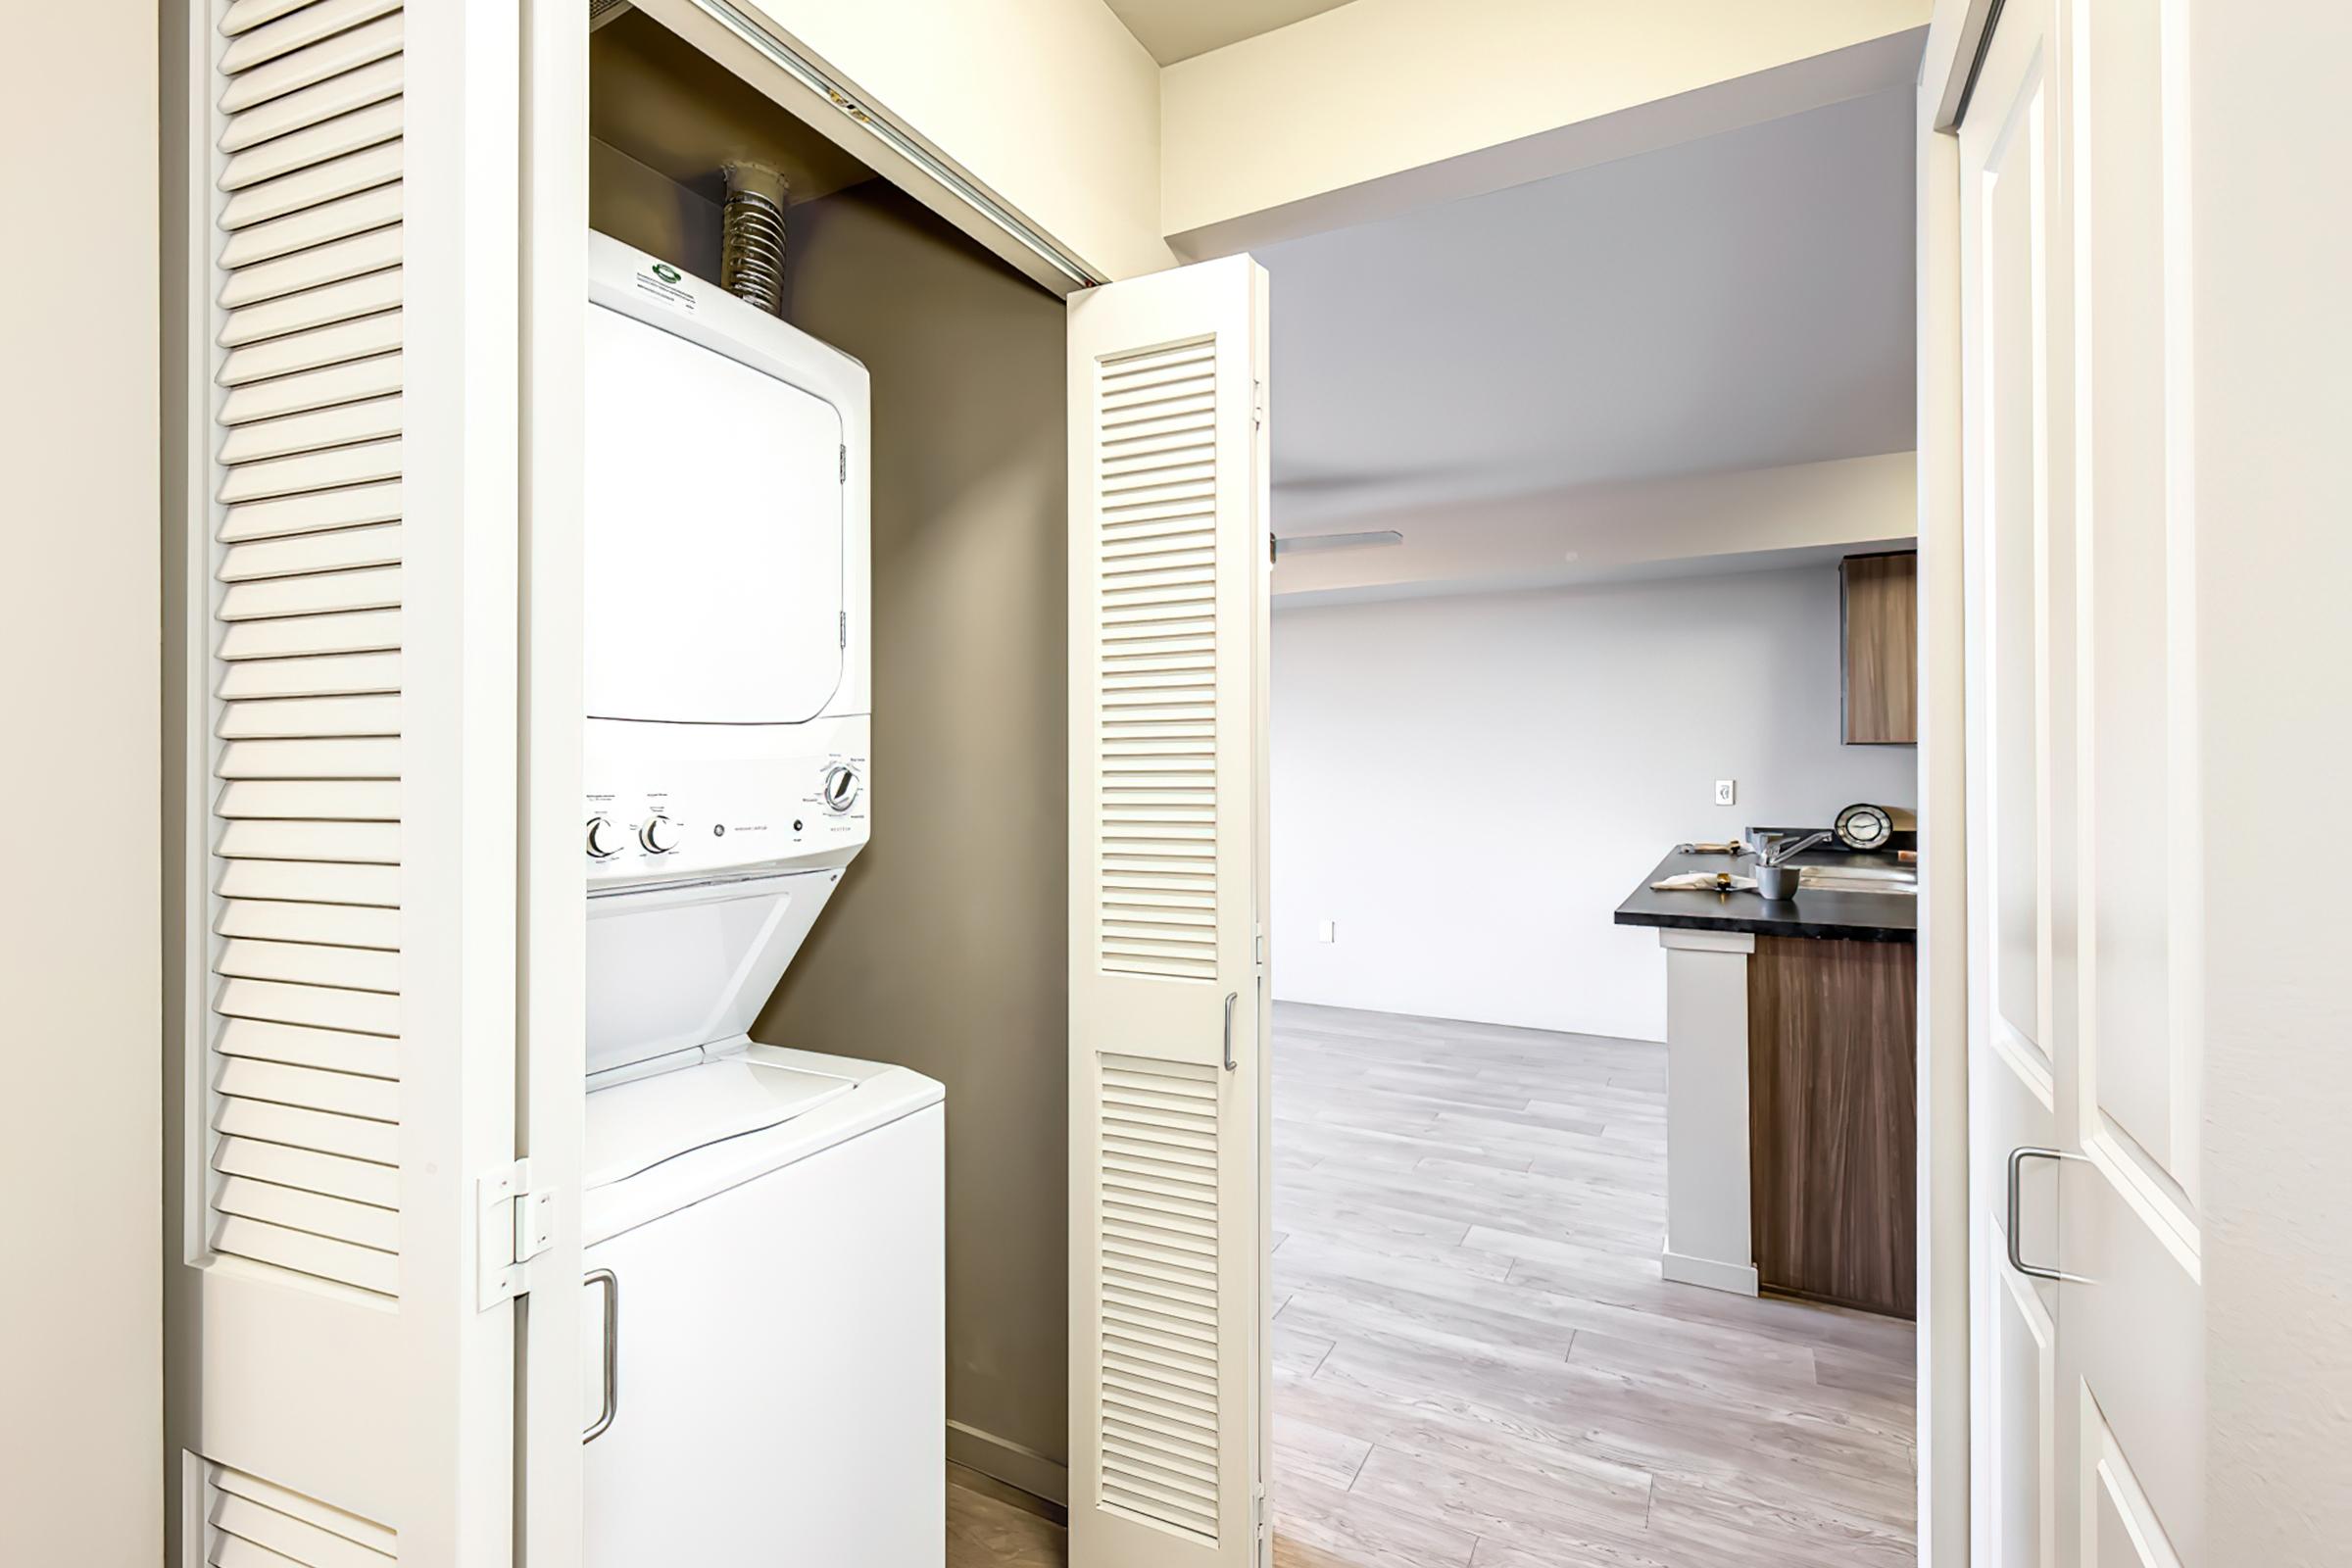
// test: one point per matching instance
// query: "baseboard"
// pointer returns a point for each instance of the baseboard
(1738, 1277)
(1001, 1459)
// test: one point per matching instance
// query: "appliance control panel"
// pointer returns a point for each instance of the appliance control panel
(660, 821)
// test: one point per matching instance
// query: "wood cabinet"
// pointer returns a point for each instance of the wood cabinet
(1880, 596)
(1832, 1122)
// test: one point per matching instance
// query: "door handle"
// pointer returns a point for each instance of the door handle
(2017, 1258)
(1231, 996)
(612, 1284)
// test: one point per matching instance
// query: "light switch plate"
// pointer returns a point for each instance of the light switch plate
(1328, 931)
(1727, 791)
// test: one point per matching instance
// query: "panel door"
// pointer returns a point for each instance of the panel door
(2130, 1364)
(2090, 1413)
(1169, 572)
(2019, 688)
(341, 1390)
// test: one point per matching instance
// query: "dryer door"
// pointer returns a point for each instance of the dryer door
(714, 533)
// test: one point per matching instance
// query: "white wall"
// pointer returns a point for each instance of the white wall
(81, 1446)
(2274, 332)
(1470, 785)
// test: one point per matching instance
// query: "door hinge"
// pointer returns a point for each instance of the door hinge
(1261, 947)
(515, 1225)
(845, 464)
(1258, 404)
(845, 628)
(1258, 1521)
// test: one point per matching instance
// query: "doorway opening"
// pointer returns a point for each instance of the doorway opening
(1571, 572)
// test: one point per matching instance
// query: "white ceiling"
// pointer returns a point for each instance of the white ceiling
(1178, 30)
(1742, 300)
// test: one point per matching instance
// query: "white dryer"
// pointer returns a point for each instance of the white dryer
(763, 1228)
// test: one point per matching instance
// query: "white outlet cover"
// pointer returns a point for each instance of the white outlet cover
(1727, 791)
(1328, 931)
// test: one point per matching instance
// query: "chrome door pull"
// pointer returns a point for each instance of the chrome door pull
(2017, 1259)
(612, 1284)
(1231, 996)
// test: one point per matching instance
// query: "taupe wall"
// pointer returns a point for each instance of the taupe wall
(945, 949)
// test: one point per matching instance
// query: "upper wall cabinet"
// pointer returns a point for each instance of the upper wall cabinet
(1881, 613)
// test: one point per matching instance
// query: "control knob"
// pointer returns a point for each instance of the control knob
(604, 837)
(659, 835)
(840, 789)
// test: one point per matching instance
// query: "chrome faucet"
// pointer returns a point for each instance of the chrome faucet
(1775, 852)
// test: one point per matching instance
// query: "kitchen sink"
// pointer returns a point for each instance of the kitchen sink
(1858, 879)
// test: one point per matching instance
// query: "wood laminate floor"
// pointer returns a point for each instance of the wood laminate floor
(1476, 1362)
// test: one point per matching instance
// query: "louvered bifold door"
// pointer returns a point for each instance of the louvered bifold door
(1168, 584)
(345, 1068)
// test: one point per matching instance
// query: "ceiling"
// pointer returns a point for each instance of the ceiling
(1178, 30)
(1741, 301)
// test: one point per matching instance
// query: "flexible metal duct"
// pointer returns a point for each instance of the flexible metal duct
(751, 256)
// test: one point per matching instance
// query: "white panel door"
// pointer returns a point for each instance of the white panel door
(341, 1389)
(2018, 691)
(1169, 575)
(2130, 1364)
(2086, 859)
(2017, 626)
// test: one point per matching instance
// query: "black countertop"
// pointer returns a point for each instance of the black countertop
(1813, 913)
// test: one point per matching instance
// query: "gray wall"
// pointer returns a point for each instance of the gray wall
(945, 947)
(1467, 786)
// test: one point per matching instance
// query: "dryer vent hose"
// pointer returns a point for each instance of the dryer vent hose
(751, 256)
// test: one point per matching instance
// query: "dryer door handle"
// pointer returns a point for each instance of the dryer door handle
(611, 1406)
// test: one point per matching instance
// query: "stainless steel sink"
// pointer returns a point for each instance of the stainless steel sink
(1858, 879)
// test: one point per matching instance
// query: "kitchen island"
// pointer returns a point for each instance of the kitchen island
(1790, 1096)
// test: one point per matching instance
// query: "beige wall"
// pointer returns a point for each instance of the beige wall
(80, 940)
(1379, 105)
(1699, 523)
(1050, 103)
(945, 949)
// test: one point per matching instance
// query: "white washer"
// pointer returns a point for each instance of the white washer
(780, 1365)
(763, 1228)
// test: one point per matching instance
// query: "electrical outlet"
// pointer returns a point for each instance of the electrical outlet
(1727, 791)
(1328, 931)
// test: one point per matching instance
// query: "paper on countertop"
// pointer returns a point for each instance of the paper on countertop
(1703, 882)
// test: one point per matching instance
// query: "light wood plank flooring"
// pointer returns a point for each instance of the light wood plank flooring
(1475, 1363)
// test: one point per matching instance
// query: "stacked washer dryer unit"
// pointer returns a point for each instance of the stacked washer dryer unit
(764, 1227)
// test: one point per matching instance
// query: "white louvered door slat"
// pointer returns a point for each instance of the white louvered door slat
(304, 133)
(350, 1067)
(296, 111)
(1169, 603)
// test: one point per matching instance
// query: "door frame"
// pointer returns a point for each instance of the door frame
(1948, 1331)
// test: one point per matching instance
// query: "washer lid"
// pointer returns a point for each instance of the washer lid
(672, 968)
(680, 1126)
(635, 1126)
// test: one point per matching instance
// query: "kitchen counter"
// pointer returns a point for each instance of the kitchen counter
(1813, 913)
(1789, 1090)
